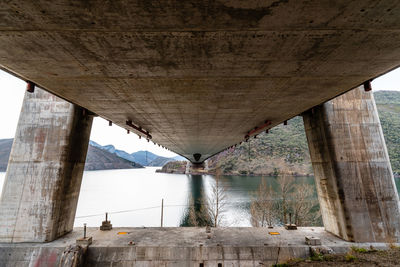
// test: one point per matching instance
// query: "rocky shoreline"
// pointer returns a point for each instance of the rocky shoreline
(179, 167)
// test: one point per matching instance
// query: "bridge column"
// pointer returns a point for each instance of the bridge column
(45, 168)
(353, 175)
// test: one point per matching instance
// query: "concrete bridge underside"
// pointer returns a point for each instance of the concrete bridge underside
(199, 77)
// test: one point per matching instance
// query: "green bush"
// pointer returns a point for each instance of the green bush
(350, 257)
(360, 250)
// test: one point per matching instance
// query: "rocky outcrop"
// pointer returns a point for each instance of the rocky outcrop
(174, 167)
(99, 159)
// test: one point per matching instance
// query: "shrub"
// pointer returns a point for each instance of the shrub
(349, 257)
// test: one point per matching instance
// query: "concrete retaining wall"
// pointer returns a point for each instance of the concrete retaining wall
(154, 256)
(187, 246)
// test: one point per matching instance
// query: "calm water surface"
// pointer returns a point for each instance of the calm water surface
(133, 197)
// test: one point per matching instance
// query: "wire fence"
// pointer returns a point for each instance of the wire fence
(148, 208)
(243, 202)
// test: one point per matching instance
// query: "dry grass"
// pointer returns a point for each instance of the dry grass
(355, 257)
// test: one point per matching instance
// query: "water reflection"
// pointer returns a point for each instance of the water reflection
(239, 191)
(196, 211)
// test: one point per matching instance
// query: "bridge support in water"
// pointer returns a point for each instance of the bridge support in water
(353, 175)
(45, 168)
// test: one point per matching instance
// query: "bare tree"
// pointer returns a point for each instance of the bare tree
(286, 187)
(269, 206)
(303, 205)
(217, 201)
(263, 206)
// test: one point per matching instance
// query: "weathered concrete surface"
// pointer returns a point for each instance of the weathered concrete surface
(174, 247)
(199, 74)
(354, 179)
(73, 256)
(196, 168)
(44, 173)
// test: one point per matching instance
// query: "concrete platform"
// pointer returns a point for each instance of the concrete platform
(178, 247)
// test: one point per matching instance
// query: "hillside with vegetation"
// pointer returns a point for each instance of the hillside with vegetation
(388, 103)
(285, 146)
(174, 167)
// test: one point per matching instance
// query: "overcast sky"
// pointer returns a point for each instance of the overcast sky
(12, 91)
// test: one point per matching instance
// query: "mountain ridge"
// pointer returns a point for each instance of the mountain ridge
(102, 157)
(96, 159)
(143, 157)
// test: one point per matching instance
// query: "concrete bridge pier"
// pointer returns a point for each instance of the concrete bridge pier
(353, 175)
(45, 168)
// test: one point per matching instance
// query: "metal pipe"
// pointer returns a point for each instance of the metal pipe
(162, 211)
(139, 129)
(257, 129)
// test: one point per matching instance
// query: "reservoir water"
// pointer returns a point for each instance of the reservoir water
(133, 196)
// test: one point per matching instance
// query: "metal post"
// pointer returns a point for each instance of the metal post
(84, 230)
(106, 216)
(162, 211)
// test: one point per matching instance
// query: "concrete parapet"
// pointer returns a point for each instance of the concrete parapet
(186, 246)
(45, 168)
(354, 179)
